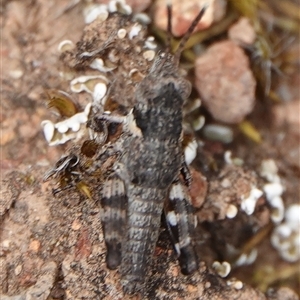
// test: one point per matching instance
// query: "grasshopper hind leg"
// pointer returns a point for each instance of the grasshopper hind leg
(114, 202)
(180, 222)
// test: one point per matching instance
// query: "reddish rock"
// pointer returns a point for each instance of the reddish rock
(183, 12)
(198, 189)
(35, 246)
(138, 6)
(225, 82)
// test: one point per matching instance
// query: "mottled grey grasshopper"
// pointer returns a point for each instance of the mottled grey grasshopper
(147, 179)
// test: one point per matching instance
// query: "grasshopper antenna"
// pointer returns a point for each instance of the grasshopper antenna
(188, 34)
(169, 29)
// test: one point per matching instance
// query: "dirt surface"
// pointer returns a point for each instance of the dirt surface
(52, 247)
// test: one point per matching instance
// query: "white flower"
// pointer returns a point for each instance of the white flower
(66, 130)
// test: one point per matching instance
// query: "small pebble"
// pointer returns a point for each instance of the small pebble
(6, 244)
(175, 271)
(16, 74)
(220, 133)
(76, 225)
(225, 82)
(192, 289)
(242, 32)
(34, 246)
(7, 135)
(18, 270)
(225, 183)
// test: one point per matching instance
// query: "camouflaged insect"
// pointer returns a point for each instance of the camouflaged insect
(147, 179)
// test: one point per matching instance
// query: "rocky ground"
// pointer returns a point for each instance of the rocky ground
(52, 247)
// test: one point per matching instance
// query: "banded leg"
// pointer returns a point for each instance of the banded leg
(185, 172)
(180, 220)
(114, 202)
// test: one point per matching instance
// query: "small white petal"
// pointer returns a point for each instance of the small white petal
(120, 6)
(99, 91)
(48, 128)
(292, 216)
(191, 106)
(149, 55)
(277, 213)
(95, 11)
(290, 255)
(136, 28)
(242, 259)
(62, 127)
(75, 127)
(252, 256)
(223, 269)
(127, 10)
(98, 64)
(273, 190)
(150, 43)
(248, 204)
(65, 45)
(87, 109)
(269, 170)
(112, 6)
(78, 84)
(231, 211)
(256, 193)
(198, 123)
(236, 284)
(227, 157)
(283, 230)
(190, 152)
(142, 18)
(80, 118)
(246, 258)
(121, 33)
